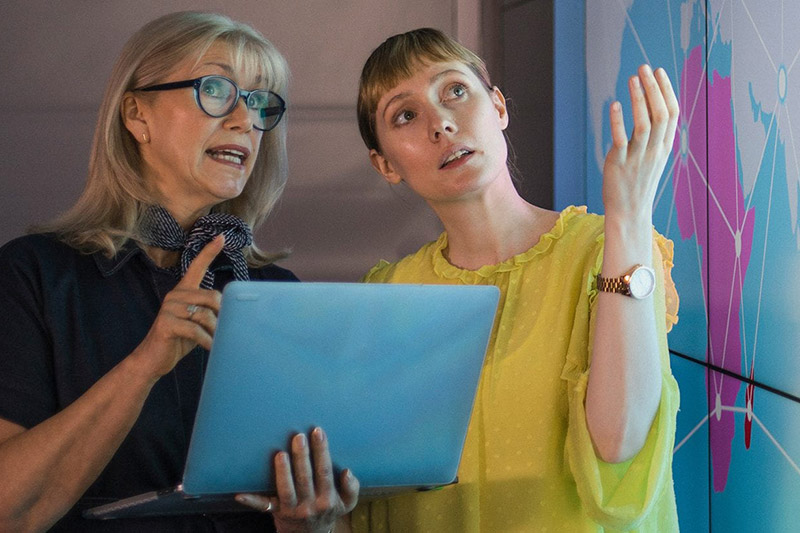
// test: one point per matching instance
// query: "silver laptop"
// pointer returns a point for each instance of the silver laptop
(388, 371)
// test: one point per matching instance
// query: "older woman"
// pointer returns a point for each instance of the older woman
(574, 421)
(111, 309)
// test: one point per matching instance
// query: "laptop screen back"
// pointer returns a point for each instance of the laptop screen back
(388, 371)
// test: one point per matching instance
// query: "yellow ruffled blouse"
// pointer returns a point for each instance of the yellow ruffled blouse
(528, 462)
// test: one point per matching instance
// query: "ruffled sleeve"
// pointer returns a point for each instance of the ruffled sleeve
(621, 496)
(376, 274)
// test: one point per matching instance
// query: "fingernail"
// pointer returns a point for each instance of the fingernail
(635, 81)
(300, 440)
(318, 435)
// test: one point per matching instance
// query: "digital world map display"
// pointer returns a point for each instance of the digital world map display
(729, 202)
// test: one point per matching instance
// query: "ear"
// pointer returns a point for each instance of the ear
(132, 110)
(499, 102)
(384, 167)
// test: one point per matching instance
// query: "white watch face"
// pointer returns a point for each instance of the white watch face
(642, 282)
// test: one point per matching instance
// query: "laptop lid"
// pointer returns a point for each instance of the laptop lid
(389, 371)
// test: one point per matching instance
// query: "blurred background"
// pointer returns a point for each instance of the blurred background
(337, 216)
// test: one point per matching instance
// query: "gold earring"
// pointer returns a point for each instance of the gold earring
(144, 137)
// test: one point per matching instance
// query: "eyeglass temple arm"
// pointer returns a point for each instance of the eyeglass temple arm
(168, 86)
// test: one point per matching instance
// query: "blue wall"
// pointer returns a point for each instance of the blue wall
(729, 202)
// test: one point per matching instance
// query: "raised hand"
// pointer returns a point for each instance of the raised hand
(307, 500)
(633, 167)
(188, 317)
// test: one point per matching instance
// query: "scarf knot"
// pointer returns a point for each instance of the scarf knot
(160, 229)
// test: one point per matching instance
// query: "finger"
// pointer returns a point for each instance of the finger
(190, 331)
(349, 489)
(197, 269)
(301, 467)
(656, 106)
(641, 119)
(255, 501)
(284, 482)
(206, 318)
(323, 469)
(671, 102)
(196, 307)
(178, 301)
(618, 134)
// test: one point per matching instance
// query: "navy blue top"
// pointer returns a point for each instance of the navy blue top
(67, 319)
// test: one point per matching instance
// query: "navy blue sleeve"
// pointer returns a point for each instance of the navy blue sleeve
(27, 395)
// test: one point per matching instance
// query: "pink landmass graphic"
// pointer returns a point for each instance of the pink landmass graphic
(714, 213)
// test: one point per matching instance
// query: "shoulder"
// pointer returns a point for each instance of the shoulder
(38, 248)
(407, 269)
(272, 272)
(576, 237)
(581, 225)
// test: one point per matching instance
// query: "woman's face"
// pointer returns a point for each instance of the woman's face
(194, 161)
(441, 131)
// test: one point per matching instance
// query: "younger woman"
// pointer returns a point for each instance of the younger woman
(574, 421)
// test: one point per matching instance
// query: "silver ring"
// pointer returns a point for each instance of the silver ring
(268, 507)
(192, 308)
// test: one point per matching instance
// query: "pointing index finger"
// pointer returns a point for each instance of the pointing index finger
(197, 269)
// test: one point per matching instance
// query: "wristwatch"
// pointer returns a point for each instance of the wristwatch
(639, 282)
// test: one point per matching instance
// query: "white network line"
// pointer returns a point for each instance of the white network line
(758, 33)
(744, 411)
(766, 240)
(665, 180)
(672, 40)
(711, 192)
(635, 33)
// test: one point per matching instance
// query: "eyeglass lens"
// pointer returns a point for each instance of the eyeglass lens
(218, 96)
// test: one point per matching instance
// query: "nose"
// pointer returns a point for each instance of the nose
(441, 124)
(239, 118)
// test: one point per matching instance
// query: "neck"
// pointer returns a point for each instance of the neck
(162, 258)
(491, 227)
(185, 217)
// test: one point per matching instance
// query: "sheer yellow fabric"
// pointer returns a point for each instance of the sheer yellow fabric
(528, 462)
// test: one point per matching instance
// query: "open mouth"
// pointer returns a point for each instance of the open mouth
(228, 154)
(455, 156)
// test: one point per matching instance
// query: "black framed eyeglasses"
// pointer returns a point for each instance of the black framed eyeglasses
(217, 97)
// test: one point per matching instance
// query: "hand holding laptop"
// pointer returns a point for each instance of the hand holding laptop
(308, 499)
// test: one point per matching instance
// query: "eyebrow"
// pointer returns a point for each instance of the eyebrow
(229, 70)
(432, 80)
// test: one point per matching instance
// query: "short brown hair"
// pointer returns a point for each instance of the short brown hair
(395, 60)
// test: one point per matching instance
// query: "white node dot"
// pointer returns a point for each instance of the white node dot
(782, 83)
(684, 141)
(749, 405)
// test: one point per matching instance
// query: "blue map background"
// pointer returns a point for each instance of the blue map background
(744, 43)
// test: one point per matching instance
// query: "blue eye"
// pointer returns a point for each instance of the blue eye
(216, 88)
(455, 91)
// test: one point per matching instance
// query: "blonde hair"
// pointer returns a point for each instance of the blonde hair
(109, 210)
(396, 59)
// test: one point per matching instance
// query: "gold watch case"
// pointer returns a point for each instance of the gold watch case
(639, 282)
